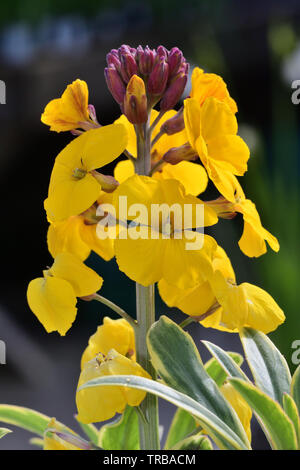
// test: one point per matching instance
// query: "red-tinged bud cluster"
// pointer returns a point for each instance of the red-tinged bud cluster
(164, 73)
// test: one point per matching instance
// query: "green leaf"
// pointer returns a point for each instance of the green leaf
(268, 366)
(295, 388)
(177, 361)
(216, 371)
(224, 437)
(24, 418)
(228, 364)
(198, 442)
(4, 431)
(91, 432)
(122, 434)
(276, 424)
(291, 410)
(183, 423)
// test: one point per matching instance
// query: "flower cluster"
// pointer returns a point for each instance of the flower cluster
(170, 158)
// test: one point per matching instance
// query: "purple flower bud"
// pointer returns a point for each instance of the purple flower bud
(145, 59)
(128, 67)
(173, 93)
(162, 52)
(174, 124)
(158, 78)
(174, 60)
(113, 59)
(115, 84)
(177, 154)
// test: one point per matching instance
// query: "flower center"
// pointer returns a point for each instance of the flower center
(79, 173)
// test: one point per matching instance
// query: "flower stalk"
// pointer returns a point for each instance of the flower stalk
(145, 311)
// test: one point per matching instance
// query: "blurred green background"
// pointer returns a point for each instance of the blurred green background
(44, 45)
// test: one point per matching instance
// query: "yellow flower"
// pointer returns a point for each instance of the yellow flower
(148, 254)
(101, 403)
(240, 406)
(53, 441)
(191, 175)
(113, 334)
(52, 298)
(229, 306)
(205, 85)
(78, 234)
(211, 130)
(70, 111)
(74, 186)
(254, 237)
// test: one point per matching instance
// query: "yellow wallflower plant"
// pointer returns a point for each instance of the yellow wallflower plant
(254, 237)
(212, 132)
(78, 234)
(71, 110)
(94, 406)
(52, 298)
(192, 176)
(74, 185)
(150, 218)
(112, 334)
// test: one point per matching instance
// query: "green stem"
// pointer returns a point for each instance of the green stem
(116, 309)
(145, 312)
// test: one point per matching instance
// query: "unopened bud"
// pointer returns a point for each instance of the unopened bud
(128, 67)
(173, 93)
(145, 60)
(112, 58)
(174, 60)
(177, 154)
(135, 102)
(115, 84)
(158, 78)
(174, 124)
(107, 182)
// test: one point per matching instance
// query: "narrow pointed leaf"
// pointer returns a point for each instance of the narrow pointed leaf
(291, 410)
(278, 426)
(268, 366)
(182, 425)
(25, 418)
(37, 441)
(198, 442)
(4, 431)
(177, 361)
(295, 388)
(122, 434)
(224, 437)
(228, 364)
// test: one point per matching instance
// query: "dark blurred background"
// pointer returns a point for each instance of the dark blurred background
(45, 45)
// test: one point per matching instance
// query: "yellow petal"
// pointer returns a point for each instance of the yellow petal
(83, 279)
(192, 176)
(102, 403)
(65, 237)
(69, 196)
(263, 312)
(241, 407)
(230, 152)
(66, 113)
(205, 85)
(53, 301)
(123, 170)
(112, 334)
(192, 120)
(217, 119)
(254, 237)
(103, 248)
(194, 301)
